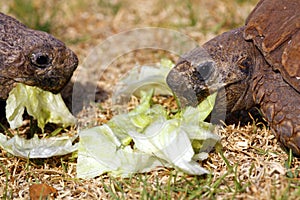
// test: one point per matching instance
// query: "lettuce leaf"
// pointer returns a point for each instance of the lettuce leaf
(146, 137)
(43, 106)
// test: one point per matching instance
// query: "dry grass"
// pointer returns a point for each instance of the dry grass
(251, 165)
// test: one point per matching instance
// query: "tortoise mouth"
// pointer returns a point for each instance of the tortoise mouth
(53, 85)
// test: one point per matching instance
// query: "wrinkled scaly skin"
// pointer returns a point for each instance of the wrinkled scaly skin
(280, 105)
(245, 75)
(273, 26)
(210, 68)
(32, 57)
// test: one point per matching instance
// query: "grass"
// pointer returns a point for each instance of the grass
(112, 7)
(250, 163)
(161, 183)
(32, 13)
(6, 182)
(234, 176)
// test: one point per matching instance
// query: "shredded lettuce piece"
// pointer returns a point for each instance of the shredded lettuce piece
(100, 151)
(147, 137)
(142, 78)
(44, 106)
(38, 148)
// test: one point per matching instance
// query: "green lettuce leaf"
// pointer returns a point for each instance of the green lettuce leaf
(42, 105)
(45, 107)
(147, 137)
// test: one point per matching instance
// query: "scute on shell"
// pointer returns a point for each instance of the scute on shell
(274, 27)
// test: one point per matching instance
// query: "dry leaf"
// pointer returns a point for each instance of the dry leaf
(41, 191)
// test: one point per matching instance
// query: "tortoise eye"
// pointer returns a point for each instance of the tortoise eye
(40, 60)
(205, 70)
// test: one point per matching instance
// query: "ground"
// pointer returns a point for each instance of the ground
(249, 165)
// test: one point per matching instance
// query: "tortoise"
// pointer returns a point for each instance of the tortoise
(32, 57)
(256, 65)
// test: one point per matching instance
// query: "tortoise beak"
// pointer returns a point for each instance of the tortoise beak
(180, 81)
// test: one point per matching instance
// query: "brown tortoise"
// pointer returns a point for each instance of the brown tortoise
(254, 65)
(32, 57)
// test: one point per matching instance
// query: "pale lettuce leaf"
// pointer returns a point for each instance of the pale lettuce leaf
(100, 151)
(38, 148)
(147, 137)
(43, 106)
(142, 79)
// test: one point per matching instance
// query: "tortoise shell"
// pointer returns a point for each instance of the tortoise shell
(274, 27)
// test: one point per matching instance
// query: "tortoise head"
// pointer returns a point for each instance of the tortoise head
(224, 63)
(47, 63)
(32, 57)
